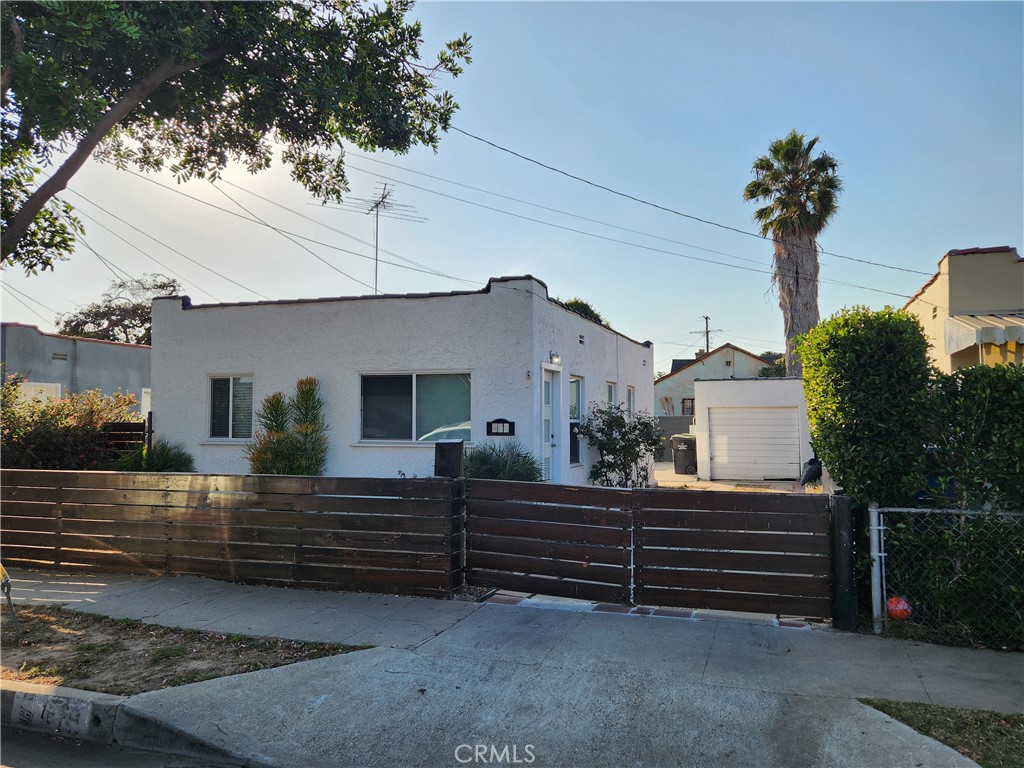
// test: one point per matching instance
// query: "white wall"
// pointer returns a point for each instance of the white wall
(502, 336)
(749, 393)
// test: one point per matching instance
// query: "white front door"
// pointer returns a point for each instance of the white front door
(549, 427)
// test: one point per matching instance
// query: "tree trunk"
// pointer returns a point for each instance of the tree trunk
(138, 93)
(796, 275)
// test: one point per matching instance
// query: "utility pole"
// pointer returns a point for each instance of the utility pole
(708, 330)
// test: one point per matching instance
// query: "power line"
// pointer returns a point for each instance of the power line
(26, 306)
(551, 210)
(144, 253)
(108, 264)
(670, 210)
(292, 239)
(174, 250)
(622, 242)
(423, 267)
(36, 301)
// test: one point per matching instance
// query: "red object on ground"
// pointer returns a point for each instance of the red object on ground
(899, 608)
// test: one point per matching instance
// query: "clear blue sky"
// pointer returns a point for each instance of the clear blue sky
(921, 103)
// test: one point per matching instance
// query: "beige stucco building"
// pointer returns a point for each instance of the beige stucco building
(972, 308)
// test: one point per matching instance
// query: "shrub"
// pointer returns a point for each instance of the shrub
(162, 457)
(293, 439)
(977, 437)
(504, 461)
(866, 384)
(65, 433)
(626, 445)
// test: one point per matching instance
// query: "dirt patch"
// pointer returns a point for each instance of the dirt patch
(125, 657)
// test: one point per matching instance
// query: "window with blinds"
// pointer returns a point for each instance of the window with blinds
(231, 407)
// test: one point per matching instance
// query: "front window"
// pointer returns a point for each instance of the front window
(612, 399)
(231, 407)
(630, 401)
(423, 406)
(688, 406)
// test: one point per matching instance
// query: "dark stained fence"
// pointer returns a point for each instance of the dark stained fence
(395, 536)
(555, 540)
(767, 553)
(119, 437)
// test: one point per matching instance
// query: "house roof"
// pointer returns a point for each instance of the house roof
(75, 338)
(709, 354)
(494, 282)
(959, 252)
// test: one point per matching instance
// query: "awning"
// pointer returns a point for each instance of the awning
(963, 331)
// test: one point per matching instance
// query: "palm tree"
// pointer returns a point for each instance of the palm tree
(802, 193)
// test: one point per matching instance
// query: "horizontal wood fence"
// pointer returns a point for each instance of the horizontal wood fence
(119, 437)
(767, 553)
(396, 536)
(556, 540)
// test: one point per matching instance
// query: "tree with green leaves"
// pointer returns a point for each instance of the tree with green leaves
(776, 368)
(801, 191)
(125, 313)
(199, 84)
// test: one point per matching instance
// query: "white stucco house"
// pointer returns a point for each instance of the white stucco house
(751, 429)
(397, 373)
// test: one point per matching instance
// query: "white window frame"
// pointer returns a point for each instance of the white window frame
(411, 440)
(231, 377)
(630, 401)
(613, 392)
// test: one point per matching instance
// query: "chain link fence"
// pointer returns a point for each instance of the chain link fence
(954, 577)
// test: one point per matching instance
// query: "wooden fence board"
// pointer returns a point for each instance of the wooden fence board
(551, 513)
(616, 555)
(605, 574)
(580, 496)
(578, 534)
(734, 540)
(759, 583)
(10, 522)
(580, 590)
(28, 539)
(734, 521)
(813, 565)
(258, 484)
(729, 501)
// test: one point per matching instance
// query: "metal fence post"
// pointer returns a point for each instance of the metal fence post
(874, 534)
(844, 587)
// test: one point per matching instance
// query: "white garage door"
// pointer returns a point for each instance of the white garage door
(754, 443)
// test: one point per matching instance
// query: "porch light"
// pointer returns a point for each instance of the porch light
(555, 358)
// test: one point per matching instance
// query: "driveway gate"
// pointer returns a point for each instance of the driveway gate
(765, 553)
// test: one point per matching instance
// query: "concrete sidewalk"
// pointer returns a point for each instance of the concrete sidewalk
(578, 688)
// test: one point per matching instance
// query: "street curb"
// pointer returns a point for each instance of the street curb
(99, 717)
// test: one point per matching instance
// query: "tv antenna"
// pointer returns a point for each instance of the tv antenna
(707, 333)
(381, 204)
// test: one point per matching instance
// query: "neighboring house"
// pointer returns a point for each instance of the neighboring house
(397, 372)
(55, 365)
(972, 308)
(751, 429)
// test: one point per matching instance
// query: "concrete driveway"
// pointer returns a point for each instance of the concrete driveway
(549, 687)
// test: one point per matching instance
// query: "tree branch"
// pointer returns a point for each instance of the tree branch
(19, 44)
(164, 71)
